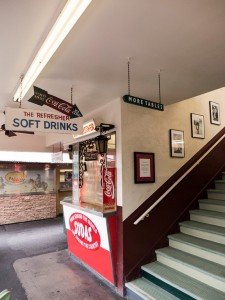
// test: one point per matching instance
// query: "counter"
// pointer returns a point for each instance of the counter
(91, 235)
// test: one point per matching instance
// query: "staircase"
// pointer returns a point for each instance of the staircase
(193, 265)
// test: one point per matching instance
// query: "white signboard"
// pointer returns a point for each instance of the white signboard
(41, 121)
(57, 157)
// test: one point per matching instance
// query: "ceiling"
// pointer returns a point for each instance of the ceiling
(184, 39)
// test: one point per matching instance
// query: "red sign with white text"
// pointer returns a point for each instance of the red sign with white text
(109, 187)
(84, 231)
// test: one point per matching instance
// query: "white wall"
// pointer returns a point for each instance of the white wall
(147, 130)
(23, 142)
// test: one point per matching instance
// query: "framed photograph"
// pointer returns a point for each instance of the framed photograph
(214, 110)
(197, 126)
(176, 143)
(144, 167)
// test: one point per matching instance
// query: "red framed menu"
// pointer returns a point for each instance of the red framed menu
(144, 167)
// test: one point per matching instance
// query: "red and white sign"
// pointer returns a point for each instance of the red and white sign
(91, 238)
(109, 187)
(89, 127)
(85, 231)
(41, 121)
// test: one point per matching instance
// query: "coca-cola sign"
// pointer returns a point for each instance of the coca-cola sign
(42, 97)
(109, 187)
(84, 231)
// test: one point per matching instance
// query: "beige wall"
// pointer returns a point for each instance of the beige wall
(23, 142)
(147, 130)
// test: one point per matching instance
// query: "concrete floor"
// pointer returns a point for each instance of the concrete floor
(35, 265)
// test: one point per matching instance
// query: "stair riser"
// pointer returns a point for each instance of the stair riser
(194, 273)
(219, 259)
(219, 196)
(212, 207)
(207, 220)
(135, 293)
(220, 186)
(203, 235)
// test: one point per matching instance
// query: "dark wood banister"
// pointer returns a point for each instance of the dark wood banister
(141, 240)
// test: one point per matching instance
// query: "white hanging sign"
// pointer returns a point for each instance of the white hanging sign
(18, 119)
(57, 157)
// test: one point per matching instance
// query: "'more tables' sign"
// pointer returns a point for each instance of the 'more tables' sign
(18, 119)
(142, 102)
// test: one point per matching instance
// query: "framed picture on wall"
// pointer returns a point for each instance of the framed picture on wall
(214, 110)
(176, 143)
(197, 126)
(144, 167)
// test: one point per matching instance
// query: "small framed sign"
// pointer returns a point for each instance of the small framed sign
(144, 167)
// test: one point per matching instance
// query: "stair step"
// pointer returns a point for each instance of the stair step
(147, 290)
(204, 231)
(196, 246)
(223, 175)
(198, 268)
(220, 184)
(216, 194)
(209, 217)
(175, 281)
(212, 204)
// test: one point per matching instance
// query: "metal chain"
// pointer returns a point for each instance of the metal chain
(128, 71)
(71, 95)
(21, 89)
(159, 80)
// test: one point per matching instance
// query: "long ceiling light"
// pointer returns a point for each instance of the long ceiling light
(65, 22)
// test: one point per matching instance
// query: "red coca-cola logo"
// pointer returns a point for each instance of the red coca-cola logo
(109, 190)
(59, 104)
(85, 231)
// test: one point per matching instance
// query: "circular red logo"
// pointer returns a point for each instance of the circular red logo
(85, 231)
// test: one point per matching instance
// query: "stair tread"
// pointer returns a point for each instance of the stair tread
(219, 181)
(182, 282)
(216, 191)
(198, 242)
(212, 201)
(211, 268)
(145, 288)
(208, 213)
(204, 227)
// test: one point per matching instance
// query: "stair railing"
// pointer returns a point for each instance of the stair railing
(146, 213)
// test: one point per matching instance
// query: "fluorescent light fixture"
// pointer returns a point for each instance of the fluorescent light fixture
(65, 22)
(42, 157)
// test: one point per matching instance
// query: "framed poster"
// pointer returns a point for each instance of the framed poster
(197, 126)
(214, 110)
(144, 167)
(176, 143)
